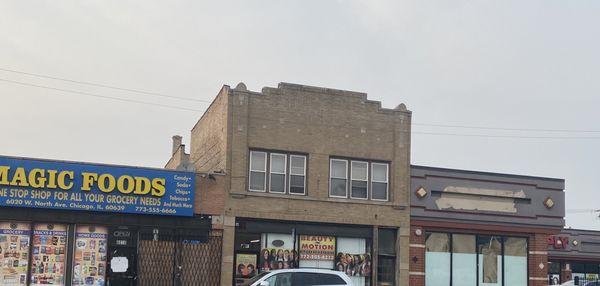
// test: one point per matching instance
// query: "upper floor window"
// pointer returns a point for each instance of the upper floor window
(277, 172)
(358, 179)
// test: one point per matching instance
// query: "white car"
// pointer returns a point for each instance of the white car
(300, 277)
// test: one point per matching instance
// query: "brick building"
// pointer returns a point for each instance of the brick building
(475, 228)
(574, 254)
(302, 176)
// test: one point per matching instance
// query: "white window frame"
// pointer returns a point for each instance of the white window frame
(387, 181)
(352, 179)
(331, 177)
(284, 172)
(303, 175)
(250, 172)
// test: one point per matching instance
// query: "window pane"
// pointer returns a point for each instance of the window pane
(296, 184)
(490, 258)
(338, 169)
(338, 187)
(277, 163)
(437, 259)
(258, 161)
(464, 260)
(257, 181)
(359, 170)
(14, 247)
(49, 244)
(277, 183)
(297, 165)
(380, 172)
(379, 191)
(386, 270)
(359, 189)
(387, 241)
(515, 261)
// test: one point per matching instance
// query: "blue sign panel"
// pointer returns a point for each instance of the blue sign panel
(36, 183)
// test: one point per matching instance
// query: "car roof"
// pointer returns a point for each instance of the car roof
(312, 270)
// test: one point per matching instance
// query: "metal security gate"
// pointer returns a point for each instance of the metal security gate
(179, 258)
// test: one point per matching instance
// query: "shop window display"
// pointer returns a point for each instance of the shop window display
(490, 256)
(89, 263)
(464, 260)
(317, 251)
(515, 261)
(14, 252)
(277, 252)
(49, 251)
(353, 257)
(437, 259)
(475, 260)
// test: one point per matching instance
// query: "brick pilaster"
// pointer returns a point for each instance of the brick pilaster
(417, 257)
(538, 256)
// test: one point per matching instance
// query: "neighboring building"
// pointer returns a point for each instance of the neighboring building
(302, 176)
(71, 223)
(476, 228)
(574, 254)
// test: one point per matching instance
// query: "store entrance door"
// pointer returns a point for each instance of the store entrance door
(122, 257)
(121, 267)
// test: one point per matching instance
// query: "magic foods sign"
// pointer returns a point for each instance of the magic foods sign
(77, 186)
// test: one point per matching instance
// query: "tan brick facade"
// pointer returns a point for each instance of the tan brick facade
(318, 122)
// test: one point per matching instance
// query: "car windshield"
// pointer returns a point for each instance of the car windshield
(254, 279)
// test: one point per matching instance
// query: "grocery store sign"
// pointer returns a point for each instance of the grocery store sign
(47, 184)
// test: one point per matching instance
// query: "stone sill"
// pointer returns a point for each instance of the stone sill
(306, 198)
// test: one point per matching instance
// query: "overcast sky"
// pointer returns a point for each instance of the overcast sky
(510, 64)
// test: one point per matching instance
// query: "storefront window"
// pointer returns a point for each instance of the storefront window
(48, 259)
(277, 252)
(437, 259)
(386, 266)
(14, 251)
(89, 263)
(317, 251)
(515, 261)
(473, 260)
(354, 258)
(464, 260)
(490, 257)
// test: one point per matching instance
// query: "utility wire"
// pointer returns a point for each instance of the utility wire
(506, 136)
(105, 86)
(288, 122)
(208, 101)
(508, 129)
(99, 95)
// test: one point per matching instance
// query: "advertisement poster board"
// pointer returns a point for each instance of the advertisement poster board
(48, 259)
(49, 184)
(354, 264)
(14, 253)
(278, 258)
(245, 265)
(89, 263)
(315, 247)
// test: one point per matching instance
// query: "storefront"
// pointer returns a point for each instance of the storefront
(64, 223)
(574, 254)
(264, 245)
(474, 228)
